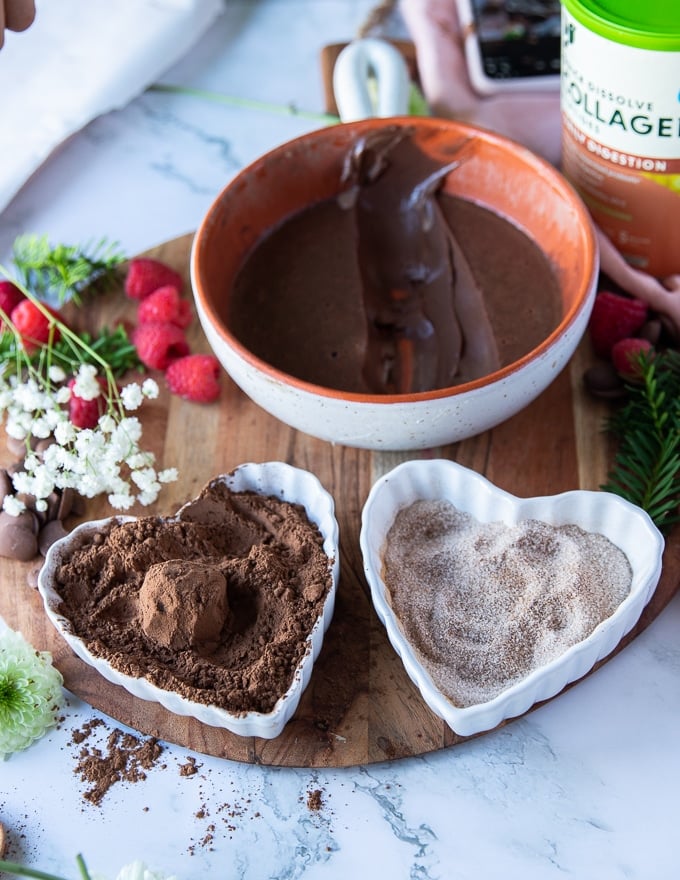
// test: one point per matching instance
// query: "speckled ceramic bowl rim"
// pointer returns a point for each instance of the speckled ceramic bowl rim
(626, 525)
(543, 168)
(270, 478)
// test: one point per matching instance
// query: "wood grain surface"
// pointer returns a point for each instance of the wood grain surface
(360, 706)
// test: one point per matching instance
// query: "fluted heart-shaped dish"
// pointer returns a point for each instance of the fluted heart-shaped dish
(276, 479)
(623, 524)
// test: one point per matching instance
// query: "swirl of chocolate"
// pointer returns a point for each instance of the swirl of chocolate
(421, 301)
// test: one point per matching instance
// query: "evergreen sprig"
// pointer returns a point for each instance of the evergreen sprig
(646, 467)
(57, 273)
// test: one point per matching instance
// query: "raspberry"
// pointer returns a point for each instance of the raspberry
(626, 355)
(165, 305)
(33, 325)
(85, 413)
(145, 275)
(10, 297)
(158, 343)
(195, 377)
(614, 317)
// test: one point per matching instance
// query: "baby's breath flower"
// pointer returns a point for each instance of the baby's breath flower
(18, 428)
(64, 433)
(131, 396)
(41, 427)
(169, 475)
(13, 505)
(139, 460)
(107, 423)
(121, 501)
(150, 389)
(56, 374)
(30, 693)
(107, 459)
(86, 385)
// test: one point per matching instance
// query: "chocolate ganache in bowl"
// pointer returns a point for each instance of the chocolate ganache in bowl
(395, 284)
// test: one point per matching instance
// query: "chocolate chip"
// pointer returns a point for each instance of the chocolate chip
(603, 381)
(669, 329)
(32, 575)
(18, 536)
(49, 533)
(68, 498)
(6, 487)
(29, 501)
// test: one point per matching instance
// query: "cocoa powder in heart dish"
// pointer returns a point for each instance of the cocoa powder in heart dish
(215, 603)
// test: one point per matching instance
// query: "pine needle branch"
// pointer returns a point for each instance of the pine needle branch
(646, 468)
(61, 272)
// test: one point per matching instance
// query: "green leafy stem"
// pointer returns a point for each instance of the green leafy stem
(23, 871)
(646, 467)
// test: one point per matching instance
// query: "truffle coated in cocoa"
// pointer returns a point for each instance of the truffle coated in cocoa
(183, 604)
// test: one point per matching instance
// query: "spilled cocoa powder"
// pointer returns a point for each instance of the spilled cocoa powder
(215, 603)
(122, 757)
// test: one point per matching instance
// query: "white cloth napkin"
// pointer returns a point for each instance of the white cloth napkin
(79, 59)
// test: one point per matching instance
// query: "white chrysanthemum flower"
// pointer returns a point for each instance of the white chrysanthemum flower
(30, 693)
(138, 871)
(86, 384)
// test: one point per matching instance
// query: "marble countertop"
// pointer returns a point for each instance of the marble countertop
(586, 786)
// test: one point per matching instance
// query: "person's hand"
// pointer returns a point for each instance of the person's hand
(15, 15)
(530, 118)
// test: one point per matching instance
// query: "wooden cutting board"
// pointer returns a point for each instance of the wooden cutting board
(360, 706)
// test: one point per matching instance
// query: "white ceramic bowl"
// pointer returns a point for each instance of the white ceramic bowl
(622, 523)
(500, 175)
(270, 478)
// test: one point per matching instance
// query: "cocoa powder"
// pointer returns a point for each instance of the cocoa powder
(277, 577)
(122, 757)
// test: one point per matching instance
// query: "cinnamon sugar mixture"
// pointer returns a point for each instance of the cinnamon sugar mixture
(483, 604)
(215, 604)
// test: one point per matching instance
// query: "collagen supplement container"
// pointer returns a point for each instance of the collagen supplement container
(620, 99)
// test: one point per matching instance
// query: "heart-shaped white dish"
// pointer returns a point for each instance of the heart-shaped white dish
(270, 478)
(625, 525)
